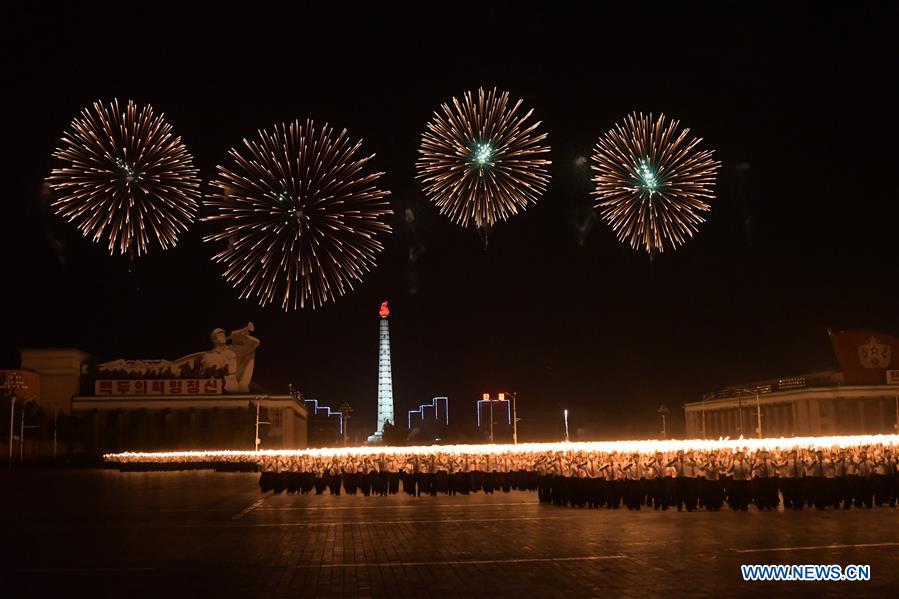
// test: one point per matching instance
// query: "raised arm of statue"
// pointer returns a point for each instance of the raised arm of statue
(244, 347)
(242, 342)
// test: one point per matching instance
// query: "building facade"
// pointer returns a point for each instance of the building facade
(199, 401)
(860, 398)
(807, 410)
(152, 422)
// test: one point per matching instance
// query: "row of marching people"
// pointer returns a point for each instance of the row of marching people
(834, 478)
(690, 481)
(384, 474)
(389, 483)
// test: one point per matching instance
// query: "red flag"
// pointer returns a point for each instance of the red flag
(865, 356)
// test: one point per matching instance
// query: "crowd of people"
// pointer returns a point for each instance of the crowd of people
(838, 477)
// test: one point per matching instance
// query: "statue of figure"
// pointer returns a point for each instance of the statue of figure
(232, 357)
(235, 360)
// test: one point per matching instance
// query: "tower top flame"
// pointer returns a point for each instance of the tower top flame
(384, 311)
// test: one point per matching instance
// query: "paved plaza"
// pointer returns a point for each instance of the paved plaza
(108, 533)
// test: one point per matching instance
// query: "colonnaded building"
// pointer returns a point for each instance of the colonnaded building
(200, 401)
(862, 397)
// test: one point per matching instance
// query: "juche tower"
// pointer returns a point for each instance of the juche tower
(385, 377)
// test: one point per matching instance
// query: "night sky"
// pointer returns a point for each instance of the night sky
(799, 102)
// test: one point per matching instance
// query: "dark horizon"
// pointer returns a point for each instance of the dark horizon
(797, 102)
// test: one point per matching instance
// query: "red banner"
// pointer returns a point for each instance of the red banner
(865, 356)
(159, 387)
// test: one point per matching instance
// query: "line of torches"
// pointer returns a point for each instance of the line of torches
(644, 447)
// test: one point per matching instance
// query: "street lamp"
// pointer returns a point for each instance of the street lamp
(12, 414)
(11, 384)
(502, 397)
(258, 422)
(345, 411)
(22, 435)
(486, 397)
(758, 410)
(703, 417)
(663, 411)
(55, 429)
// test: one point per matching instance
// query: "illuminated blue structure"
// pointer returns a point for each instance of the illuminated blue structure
(435, 404)
(316, 410)
(506, 429)
(488, 404)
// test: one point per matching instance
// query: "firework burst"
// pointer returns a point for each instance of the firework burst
(127, 178)
(481, 160)
(652, 182)
(300, 214)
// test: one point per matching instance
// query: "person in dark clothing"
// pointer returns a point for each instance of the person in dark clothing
(711, 489)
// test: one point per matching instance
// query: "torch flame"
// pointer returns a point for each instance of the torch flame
(644, 447)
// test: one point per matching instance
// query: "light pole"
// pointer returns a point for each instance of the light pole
(758, 410)
(703, 417)
(12, 412)
(55, 421)
(510, 406)
(256, 433)
(758, 414)
(485, 398)
(22, 436)
(897, 413)
(11, 384)
(491, 420)
(663, 411)
(565, 414)
(514, 396)
(258, 422)
(345, 411)
(514, 418)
